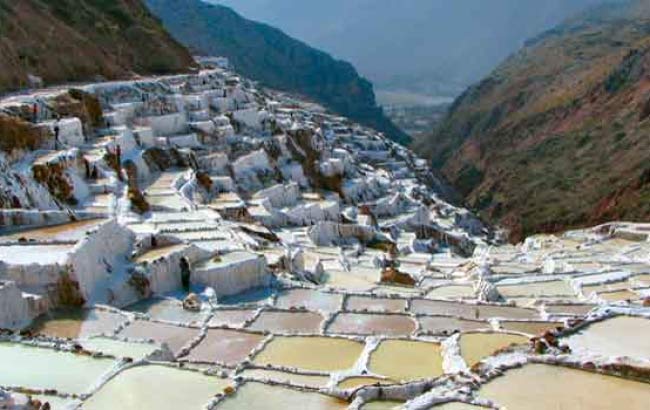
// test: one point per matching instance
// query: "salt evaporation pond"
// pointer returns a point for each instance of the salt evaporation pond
(536, 289)
(354, 382)
(157, 253)
(254, 296)
(568, 309)
(175, 337)
(619, 296)
(619, 336)
(118, 348)
(452, 292)
(40, 368)
(406, 360)
(543, 387)
(231, 317)
(475, 347)
(156, 387)
(469, 311)
(35, 254)
(258, 396)
(531, 328)
(358, 279)
(372, 324)
(77, 323)
(167, 310)
(309, 299)
(277, 376)
(324, 354)
(445, 325)
(370, 304)
(70, 232)
(228, 347)
(287, 322)
(641, 280)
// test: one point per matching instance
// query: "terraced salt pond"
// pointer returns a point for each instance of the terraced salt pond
(288, 322)
(297, 379)
(358, 279)
(72, 231)
(452, 292)
(355, 382)
(40, 368)
(372, 324)
(470, 311)
(445, 325)
(475, 347)
(231, 317)
(77, 324)
(228, 347)
(619, 296)
(156, 387)
(168, 310)
(174, 336)
(39, 254)
(257, 396)
(309, 299)
(158, 253)
(641, 280)
(286, 342)
(557, 288)
(569, 310)
(118, 348)
(310, 353)
(405, 360)
(529, 327)
(370, 304)
(632, 335)
(543, 387)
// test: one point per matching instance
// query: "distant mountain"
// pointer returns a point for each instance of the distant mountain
(432, 47)
(72, 40)
(557, 136)
(278, 61)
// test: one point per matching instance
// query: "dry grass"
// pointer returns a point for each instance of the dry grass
(17, 134)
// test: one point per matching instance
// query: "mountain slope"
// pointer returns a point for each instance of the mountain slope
(557, 136)
(278, 61)
(72, 40)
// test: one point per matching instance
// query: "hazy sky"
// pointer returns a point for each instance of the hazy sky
(454, 40)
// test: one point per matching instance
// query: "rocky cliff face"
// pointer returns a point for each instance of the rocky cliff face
(74, 40)
(268, 55)
(556, 136)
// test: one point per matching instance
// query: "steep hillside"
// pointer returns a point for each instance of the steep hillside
(277, 60)
(557, 136)
(72, 40)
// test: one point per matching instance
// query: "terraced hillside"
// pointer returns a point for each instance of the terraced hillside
(72, 40)
(557, 136)
(222, 246)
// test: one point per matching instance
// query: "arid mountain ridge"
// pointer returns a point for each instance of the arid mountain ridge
(79, 40)
(557, 136)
